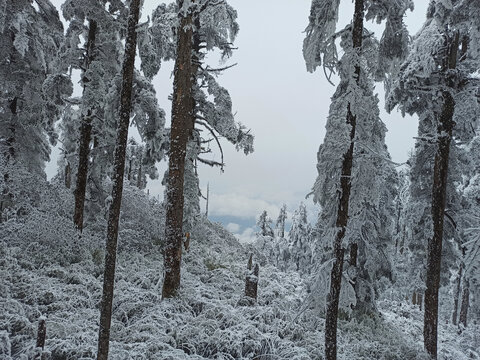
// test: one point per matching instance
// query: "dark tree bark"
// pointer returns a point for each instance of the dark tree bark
(41, 335)
(439, 196)
(207, 200)
(7, 197)
(465, 304)
(456, 296)
(68, 176)
(181, 131)
(85, 138)
(119, 171)
(139, 175)
(342, 211)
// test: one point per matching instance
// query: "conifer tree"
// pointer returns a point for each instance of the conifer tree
(353, 157)
(435, 88)
(264, 223)
(119, 168)
(99, 60)
(300, 240)
(215, 27)
(280, 224)
(33, 88)
(136, 170)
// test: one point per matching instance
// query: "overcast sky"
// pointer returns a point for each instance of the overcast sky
(285, 106)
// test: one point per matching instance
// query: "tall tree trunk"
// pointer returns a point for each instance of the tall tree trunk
(85, 137)
(439, 196)
(465, 303)
(139, 176)
(68, 175)
(208, 198)
(342, 211)
(119, 171)
(181, 130)
(456, 296)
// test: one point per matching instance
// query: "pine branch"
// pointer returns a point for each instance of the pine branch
(213, 134)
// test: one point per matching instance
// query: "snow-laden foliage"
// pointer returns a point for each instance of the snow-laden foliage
(319, 45)
(371, 201)
(219, 114)
(157, 43)
(300, 240)
(33, 85)
(418, 88)
(280, 223)
(393, 48)
(100, 100)
(264, 223)
(215, 29)
(45, 270)
(136, 169)
(32, 91)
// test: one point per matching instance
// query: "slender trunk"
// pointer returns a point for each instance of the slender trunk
(465, 303)
(7, 197)
(10, 153)
(181, 130)
(119, 171)
(208, 198)
(129, 173)
(342, 211)
(41, 335)
(68, 176)
(251, 283)
(139, 177)
(456, 296)
(85, 138)
(439, 195)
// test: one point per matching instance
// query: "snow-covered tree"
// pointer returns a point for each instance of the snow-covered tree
(215, 29)
(124, 113)
(435, 83)
(203, 102)
(280, 224)
(352, 159)
(90, 128)
(300, 240)
(264, 223)
(32, 91)
(136, 170)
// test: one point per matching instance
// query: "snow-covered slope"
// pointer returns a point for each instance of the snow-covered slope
(45, 269)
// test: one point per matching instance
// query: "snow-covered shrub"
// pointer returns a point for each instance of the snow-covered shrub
(142, 220)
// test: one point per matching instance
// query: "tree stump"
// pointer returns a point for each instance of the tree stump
(41, 334)
(251, 280)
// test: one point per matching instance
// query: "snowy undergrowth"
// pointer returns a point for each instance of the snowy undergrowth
(45, 269)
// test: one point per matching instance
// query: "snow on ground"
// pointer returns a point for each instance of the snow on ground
(45, 269)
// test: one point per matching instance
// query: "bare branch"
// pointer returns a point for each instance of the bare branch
(215, 137)
(211, 163)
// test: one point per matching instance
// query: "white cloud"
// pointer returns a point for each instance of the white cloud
(233, 228)
(247, 236)
(239, 205)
